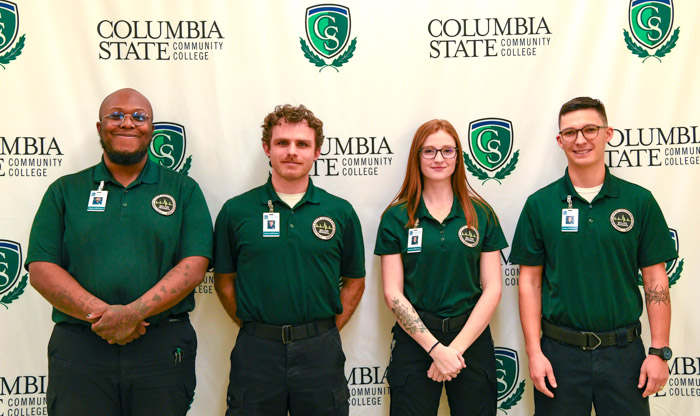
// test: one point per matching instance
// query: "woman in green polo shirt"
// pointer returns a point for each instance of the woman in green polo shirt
(439, 242)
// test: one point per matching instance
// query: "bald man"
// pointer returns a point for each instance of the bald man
(117, 249)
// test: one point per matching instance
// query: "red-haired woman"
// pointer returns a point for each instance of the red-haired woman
(439, 242)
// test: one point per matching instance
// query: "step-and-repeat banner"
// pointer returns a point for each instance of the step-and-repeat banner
(373, 72)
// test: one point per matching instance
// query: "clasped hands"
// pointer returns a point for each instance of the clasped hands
(447, 363)
(117, 324)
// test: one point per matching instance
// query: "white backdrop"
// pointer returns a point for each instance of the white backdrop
(411, 61)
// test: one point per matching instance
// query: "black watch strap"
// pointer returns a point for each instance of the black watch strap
(665, 352)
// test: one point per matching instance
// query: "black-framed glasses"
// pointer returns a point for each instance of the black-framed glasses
(589, 132)
(447, 152)
(117, 117)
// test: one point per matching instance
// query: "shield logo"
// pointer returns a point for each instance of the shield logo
(507, 370)
(168, 145)
(490, 142)
(328, 28)
(10, 264)
(9, 24)
(651, 21)
(672, 263)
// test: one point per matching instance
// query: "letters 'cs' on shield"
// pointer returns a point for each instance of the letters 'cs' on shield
(10, 264)
(168, 145)
(651, 21)
(507, 370)
(490, 142)
(328, 28)
(9, 24)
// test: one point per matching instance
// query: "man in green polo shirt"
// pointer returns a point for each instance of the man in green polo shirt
(580, 243)
(117, 249)
(280, 251)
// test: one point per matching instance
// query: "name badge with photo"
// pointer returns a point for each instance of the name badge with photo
(97, 201)
(569, 220)
(415, 240)
(271, 224)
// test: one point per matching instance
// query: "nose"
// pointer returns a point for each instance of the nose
(439, 154)
(127, 121)
(579, 137)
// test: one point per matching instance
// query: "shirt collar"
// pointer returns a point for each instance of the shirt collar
(268, 193)
(456, 211)
(611, 186)
(149, 174)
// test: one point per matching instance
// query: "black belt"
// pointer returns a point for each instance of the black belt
(589, 341)
(289, 333)
(439, 323)
(184, 316)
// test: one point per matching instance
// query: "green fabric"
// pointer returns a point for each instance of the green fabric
(293, 278)
(119, 254)
(443, 278)
(589, 279)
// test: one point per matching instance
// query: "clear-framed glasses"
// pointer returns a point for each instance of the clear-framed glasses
(589, 132)
(117, 117)
(447, 152)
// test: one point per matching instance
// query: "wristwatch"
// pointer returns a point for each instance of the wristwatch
(665, 352)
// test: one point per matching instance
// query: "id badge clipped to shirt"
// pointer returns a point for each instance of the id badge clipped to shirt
(271, 224)
(415, 240)
(569, 220)
(98, 199)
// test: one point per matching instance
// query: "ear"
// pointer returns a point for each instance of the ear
(98, 124)
(559, 142)
(317, 153)
(266, 149)
(609, 131)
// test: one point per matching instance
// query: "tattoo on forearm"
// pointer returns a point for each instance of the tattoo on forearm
(657, 295)
(406, 317)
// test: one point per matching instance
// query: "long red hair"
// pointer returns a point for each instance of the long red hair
(412, 187)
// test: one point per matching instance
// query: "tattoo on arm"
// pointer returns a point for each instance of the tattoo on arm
(406, 317)
(657, 295)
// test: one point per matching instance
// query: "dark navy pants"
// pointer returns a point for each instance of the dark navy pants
(153, 375)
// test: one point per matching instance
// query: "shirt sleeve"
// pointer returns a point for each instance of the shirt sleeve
(196, 237)
(352, 261)
(388, 240)
(528, 246)
(46, 236)
(655, 242)
(494, 239)
(225, 248)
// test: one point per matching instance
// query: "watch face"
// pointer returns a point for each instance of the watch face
(666, 353)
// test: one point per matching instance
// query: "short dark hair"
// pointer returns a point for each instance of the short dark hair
(292, 114)
(583, 103)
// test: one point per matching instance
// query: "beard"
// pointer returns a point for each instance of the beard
(124, 158)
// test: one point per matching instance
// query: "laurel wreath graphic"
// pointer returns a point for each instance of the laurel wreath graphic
(672, 278)
(483, 176)
(13, 53)
(643, 53)
(15, 293)
(513, 399)
(186, 167)
(342, 59)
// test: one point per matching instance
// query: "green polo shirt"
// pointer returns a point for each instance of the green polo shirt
(443, 278)
(120, 253)
(293, 278)
(589, 277)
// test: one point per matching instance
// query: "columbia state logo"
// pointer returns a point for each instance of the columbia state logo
(490, 146)
(650, 23)
(674, 267)
(9, 28)
(168, 147)
(507, 375)
(11, 284)
(328, 33)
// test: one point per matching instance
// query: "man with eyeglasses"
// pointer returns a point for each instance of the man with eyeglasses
(118, 249)
(580, 243)
(280, 283)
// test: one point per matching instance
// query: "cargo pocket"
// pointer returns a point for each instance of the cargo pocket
(341, 397)
(234, 400)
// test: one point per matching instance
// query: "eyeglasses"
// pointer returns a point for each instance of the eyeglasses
(448, 152)
(117, 117)
(589, 132)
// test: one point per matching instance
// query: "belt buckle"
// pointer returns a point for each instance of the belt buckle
(446, 325)
(587, 348)
(286, 334)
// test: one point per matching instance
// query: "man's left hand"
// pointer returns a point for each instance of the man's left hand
(654, 373)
